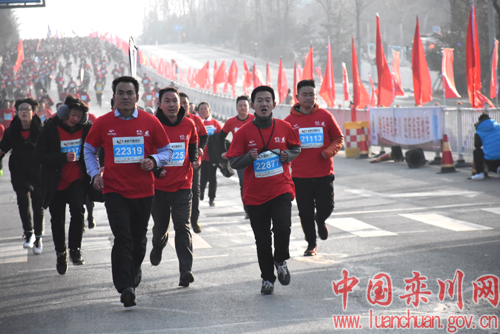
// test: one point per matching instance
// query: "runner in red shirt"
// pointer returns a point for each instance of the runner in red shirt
(265, 147)
(146, 80)
(173, 184)
(6, 114)
(148, 98)
(129, 137)
(202, 142)
(208, 166)
(232, 125)
(313, 174)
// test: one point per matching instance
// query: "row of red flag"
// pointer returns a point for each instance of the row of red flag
(389, 80)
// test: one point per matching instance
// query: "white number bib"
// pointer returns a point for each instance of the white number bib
(7, 116)
(311, 137)
(179, 154)
(210, 129)
(72, 146)
(267, 164)
(128, 150)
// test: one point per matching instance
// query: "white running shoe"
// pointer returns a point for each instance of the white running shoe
(38, 246)
(478, 176)
(29, 241)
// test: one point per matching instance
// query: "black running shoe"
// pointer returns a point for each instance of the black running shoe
(75, 255)
(62, 263)
(128, 297)
(186, 279)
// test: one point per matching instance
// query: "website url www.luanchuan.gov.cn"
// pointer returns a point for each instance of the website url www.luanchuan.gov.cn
(452, 323)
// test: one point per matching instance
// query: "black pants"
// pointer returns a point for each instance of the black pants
(99, 99)
(314, 193)
(33, 197)
(75, 196)
(208, 174)
(241, 172)
(279, 211)
(128, 219)
(179, 205)
(480, 161)
(195, 189)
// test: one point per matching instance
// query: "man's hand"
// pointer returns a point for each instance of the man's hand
(163, 173)
(284, 156)
(70, 156)
(200, 152)
(98, 183)
(195, 165)
(254, 153)
(147, 164)
(223, 155)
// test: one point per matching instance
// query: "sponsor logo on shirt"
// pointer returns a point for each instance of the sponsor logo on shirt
(296, 126)
(111, 132)
(146, 134)
(276, 139)
(182, 137)
(252, 143)
(283, 139)
(139, 132)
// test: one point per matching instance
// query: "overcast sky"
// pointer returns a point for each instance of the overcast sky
(122, 17)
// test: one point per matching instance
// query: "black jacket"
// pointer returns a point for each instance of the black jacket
(24, 171)
(48, 154)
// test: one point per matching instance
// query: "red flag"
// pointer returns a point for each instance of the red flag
(308, 73)
(282, 83)
(373, 100)
(299, 73)
(345, 81)
(247, 78)
(384, 75)
(360, 97)
(161, 67)
(473, 65)
(220, 76)
(448, 77)
(173, 74)
(168, 70)
(295, 81)
(422, 84)
(318, 73)
(327, 90)
(232, 77)
(257, 77)
(493, 79)
(398, 86)
(202, 76)
(20, 56)
(268, 75)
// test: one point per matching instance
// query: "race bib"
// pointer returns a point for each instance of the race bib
(84, 98)
(72, 146)
(179, 154)
(210, 129)
(235, 129)
(7, 117)
(311, 137)
(268, 164)
(149, 97)
(145, 81)
(127, 150)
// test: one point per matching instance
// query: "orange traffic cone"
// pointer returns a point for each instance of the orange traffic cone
(385, 157)
(363, 146)
(447, 164)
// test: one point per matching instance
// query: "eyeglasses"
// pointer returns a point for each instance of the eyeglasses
(25, 109)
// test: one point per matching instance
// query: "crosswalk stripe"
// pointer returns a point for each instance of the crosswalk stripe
(445, 222)
(13, 253)
(96, 243)
(493, 210)
(198, 242)
(357, 227)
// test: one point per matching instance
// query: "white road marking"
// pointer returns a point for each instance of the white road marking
(445, 222)
(437, 193)
(13, 253)
(357, 227)
(493, 210)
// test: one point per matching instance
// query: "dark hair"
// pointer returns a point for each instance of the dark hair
(34, 104)
(305, 83)
(75, 103)
(203, 102)
(181, 94)
(125, 79)
(242, 98)
(262, 89)
(167, 89)
(483, 116)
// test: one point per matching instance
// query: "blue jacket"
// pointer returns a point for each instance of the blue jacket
(489, 132)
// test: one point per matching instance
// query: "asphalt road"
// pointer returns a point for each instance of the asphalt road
(388, 219)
